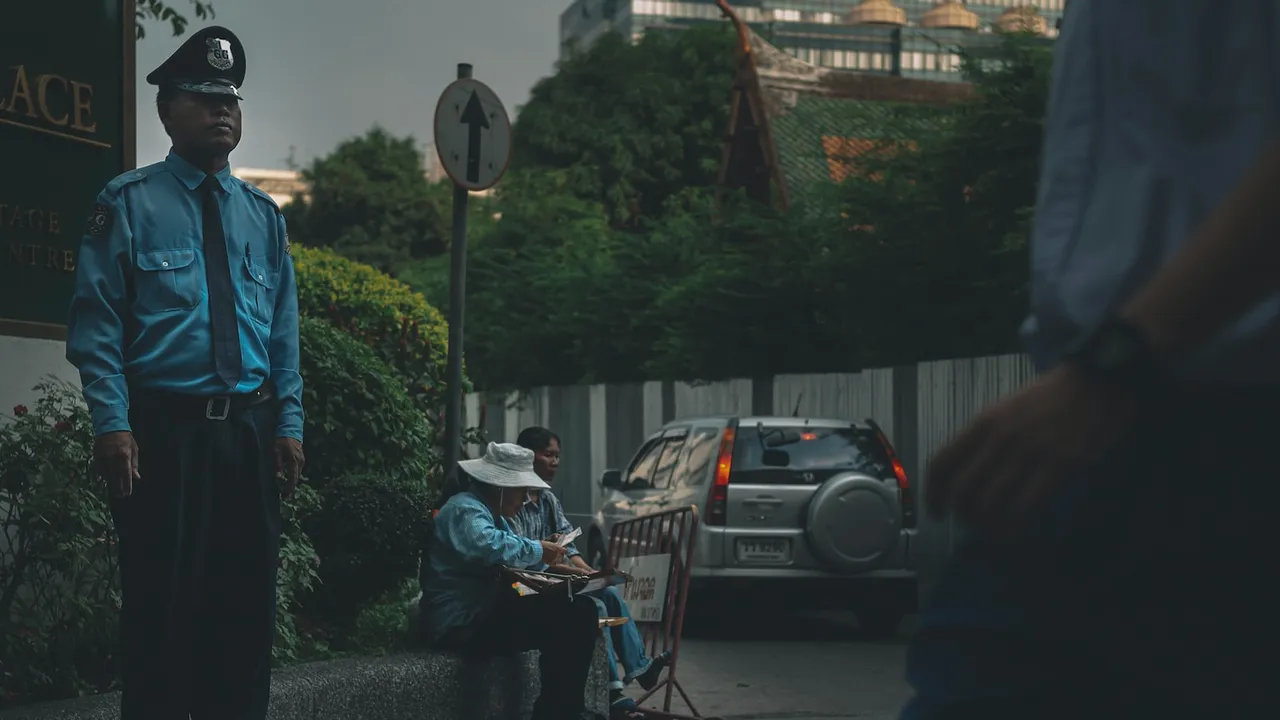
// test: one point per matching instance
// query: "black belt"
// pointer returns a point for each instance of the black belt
(201, 407)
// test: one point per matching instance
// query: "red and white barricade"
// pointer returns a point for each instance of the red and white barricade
(657, 552)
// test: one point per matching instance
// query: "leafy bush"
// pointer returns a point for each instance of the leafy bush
(59, 592)
(370, 531)
(373, 466)
(403, 330)
(299, 563)
(359, 420)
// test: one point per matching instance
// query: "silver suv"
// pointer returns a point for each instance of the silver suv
(800, 513)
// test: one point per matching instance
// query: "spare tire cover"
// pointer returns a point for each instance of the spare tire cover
(853, 522)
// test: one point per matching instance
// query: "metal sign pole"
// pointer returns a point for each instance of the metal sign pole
(473, 139)
(457, 301)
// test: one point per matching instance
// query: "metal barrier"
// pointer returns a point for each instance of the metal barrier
(657, 550)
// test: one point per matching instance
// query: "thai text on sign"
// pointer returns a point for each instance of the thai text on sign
(646, 593)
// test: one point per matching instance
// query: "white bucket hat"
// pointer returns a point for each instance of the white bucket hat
(505, 465)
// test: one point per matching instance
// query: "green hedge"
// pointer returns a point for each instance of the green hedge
(370, 531)
(403, 330)
(359, 419)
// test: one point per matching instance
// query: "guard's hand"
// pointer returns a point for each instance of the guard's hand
(289, 464)
(568, 569)
(116, 455)
(1014, 455)
(552, 554)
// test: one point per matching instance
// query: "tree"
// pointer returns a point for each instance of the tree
(631, 125)
(951, 219)
(160, 11)
(611, 263)
(527, 278)
(371, 202)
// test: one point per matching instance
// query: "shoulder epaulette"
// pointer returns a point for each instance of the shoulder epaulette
(260, 193)
(128, 178)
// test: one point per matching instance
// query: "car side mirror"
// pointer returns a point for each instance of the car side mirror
(776, 458)
(611, 480)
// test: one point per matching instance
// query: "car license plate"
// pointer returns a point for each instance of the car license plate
(763, 550)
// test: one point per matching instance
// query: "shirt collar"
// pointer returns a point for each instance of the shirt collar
(192, 176)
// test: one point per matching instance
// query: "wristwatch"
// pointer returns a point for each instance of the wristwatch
(1118, 352)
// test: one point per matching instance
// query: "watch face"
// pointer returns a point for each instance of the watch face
(1113, 350)
(1116, 348)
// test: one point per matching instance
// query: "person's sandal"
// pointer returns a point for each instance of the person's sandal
(622, 707)
(649, 678)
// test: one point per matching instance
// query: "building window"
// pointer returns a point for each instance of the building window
(825, 18)
(785, 15)
(917, 61)
(930, 61)
(864, 61)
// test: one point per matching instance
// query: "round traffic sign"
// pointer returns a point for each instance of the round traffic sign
(473, 134)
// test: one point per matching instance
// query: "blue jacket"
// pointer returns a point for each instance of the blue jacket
(458, 576)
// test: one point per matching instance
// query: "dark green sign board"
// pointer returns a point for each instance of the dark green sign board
(66, 128)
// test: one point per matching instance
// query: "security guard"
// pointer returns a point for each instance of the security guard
(184, 326)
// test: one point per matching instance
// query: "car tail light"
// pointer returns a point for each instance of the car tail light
(907, 493)
(718, 502)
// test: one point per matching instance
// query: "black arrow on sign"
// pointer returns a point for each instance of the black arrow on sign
(473, 115)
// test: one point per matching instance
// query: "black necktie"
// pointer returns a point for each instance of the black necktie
(222, 294)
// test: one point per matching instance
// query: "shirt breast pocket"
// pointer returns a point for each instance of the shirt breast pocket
(168, 280)
(261, 290)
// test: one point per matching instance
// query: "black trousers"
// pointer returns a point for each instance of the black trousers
(1147, 589)
(563, 632)
(199, 552)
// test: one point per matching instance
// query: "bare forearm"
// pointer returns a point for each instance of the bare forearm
(1231, 264)
(579, 562)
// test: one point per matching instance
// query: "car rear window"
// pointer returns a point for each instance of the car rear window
(817, 454)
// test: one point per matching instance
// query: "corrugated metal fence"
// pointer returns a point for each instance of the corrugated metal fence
(601, 426)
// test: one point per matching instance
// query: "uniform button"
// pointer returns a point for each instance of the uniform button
(164, 263)
(259, 277)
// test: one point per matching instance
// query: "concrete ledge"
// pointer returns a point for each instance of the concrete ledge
(423, 685)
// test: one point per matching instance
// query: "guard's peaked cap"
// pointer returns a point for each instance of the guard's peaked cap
(211, 62)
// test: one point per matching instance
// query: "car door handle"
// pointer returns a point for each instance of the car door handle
(766, 501)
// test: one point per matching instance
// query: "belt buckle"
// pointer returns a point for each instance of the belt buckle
(211, 414)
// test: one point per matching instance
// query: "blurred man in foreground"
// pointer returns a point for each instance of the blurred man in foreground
(1120, 506)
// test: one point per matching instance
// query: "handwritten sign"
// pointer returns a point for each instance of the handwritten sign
(646, 594)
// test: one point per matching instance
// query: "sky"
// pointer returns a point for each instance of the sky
(322, 71)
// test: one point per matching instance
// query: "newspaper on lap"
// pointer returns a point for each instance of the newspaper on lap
(541, 582)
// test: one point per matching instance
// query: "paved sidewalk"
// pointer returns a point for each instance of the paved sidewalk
(802, 670)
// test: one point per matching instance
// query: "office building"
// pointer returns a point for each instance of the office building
(907, 38)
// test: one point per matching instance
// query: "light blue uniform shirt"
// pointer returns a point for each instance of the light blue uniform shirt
(1158, 108)
(140, 312)
(469, 544)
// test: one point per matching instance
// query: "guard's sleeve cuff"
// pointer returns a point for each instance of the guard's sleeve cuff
(289, 432)
(110, 419)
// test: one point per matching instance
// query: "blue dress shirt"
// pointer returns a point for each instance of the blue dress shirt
(469, 544)
(1152, 121)
(140, 316)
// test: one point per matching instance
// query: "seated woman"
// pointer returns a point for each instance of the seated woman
(543, 517)
(468, 608)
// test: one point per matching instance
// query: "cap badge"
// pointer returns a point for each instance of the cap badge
(220, 53)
